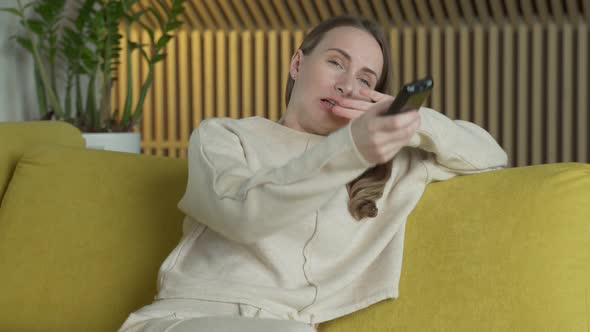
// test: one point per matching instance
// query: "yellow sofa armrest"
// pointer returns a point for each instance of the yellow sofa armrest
(82, 235)
(16, 137)
(507, 250)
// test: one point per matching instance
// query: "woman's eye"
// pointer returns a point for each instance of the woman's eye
(334, 62)
(365, 82)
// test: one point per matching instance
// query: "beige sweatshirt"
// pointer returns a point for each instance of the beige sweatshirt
(267, 222)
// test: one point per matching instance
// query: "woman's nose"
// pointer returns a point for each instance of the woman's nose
(344, 85)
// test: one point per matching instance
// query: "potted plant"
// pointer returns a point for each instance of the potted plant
(76, 58)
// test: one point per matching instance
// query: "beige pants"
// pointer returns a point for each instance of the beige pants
(207, 316)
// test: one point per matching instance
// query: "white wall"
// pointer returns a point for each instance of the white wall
(18, 99)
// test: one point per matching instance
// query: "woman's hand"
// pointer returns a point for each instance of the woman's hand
(378, 138)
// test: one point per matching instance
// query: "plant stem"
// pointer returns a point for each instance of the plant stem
(144, 90)
(127, 109)
(48, 89)
(91, 106)
(106, 85)
(41, 99)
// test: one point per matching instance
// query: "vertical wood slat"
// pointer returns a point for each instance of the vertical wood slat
(267, 7)
(122, 76)
(583, 124)
(259, 73)
(365, 8)
(147, 118)
(286, 51)
(234, 68)
(423, 12)
(243, 13)
(183, 91)
(310, 11)
(247, 65)
(230, 13)
(159, 107)
(336, 7)
(135, 67)
(196, 78)
(567, 94)
(323, 10)
(449, 72)
(381, 13)
(410, 14)
(298, 38)
(464, 84)
(408, 55)
(284, 14)
(537, 104)
(273, 90)
(436, 67)
(478, 77)
(208, 60)
(396, 16)
(421, 52)
(522, 80)
(493, 74)
(297, 13)
(552, 97)
(394, 42)
(220, 77)
(507, 91)
(171, 102)
(216, 13)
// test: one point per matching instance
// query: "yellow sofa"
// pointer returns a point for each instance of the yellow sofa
(83, 233)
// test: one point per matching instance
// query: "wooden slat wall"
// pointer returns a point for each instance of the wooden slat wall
(526, 82)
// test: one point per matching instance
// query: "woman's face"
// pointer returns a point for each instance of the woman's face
(345, 60)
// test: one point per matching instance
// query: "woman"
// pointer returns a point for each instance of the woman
(302, 221)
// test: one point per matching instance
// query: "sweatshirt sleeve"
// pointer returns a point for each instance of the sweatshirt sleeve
(455, 147)
(225, 193)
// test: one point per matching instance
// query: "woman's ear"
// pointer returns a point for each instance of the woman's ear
(296, 62)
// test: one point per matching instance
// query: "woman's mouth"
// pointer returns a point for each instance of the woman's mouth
(328, 103)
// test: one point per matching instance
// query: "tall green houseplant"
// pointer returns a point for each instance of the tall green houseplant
(72, 55)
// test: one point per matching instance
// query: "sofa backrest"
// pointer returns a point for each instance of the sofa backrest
(17, 137)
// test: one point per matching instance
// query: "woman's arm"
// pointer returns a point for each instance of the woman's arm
(455, 147)
(227, 195)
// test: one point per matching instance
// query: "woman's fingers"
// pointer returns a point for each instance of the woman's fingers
(353, 108)
(360, 105)
(398, 121)
(347, 112)
(375, 96)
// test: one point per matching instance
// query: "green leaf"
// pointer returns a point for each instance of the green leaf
(157, 16)
(12, 11)
(49, 10)
(133, 45)
(36, 26)
(162, 41)
(163, 5)
(25, 43)
(157, 58)
(137, 15)
(127, 4)
(148, 29)
(173, 25)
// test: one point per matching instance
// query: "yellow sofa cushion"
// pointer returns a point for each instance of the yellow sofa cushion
(16, 137)
(82, 235)
(506, 250)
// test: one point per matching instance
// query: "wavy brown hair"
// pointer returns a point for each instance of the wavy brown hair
(366, 189)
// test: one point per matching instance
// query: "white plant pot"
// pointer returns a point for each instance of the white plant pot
(122, 142)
